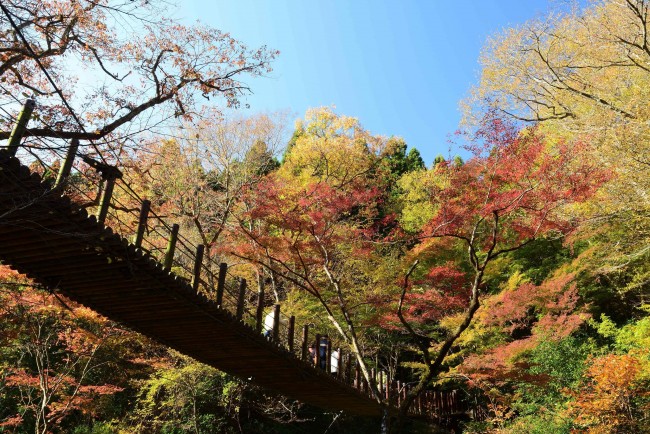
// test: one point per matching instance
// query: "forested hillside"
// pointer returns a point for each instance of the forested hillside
(515, 271)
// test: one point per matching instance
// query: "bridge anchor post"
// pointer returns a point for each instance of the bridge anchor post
(328, 356)
(241, 299)
(110, 174)
(198, 262)
(105, 201)
(318, 358)
(399, 393)
(64, 171)
(142, 222)
(259, 313)
(21, 125)
(275, 335)
(357, 375)
(171, 248)
(305, 342)
(348, 369)
(221, 282)
(290, 333)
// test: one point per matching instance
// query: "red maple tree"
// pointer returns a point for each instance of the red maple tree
(512, 191)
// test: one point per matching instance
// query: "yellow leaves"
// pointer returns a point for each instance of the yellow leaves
(474, 335)
(417, 207)
(333, 148)
(515, 280)
(582, 73)
(566, 65)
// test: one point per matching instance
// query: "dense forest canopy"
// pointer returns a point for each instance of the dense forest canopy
(518, 275)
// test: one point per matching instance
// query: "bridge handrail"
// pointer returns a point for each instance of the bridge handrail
(181, 254)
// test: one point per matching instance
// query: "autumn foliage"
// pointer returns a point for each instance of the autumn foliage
(516, 275)
(52, 348)
(516, 183)
(605, 403)
(443, 291)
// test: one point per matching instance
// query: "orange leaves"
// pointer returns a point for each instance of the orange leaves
(12, 421)
(530, 316)
(550, 307)
(7, 273)
(55, 357)
(605, 403)
(19, 377)
(297, 223)
(163, 64)
(499, 366)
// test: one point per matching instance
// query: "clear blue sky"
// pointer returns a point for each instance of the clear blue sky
(401, 67)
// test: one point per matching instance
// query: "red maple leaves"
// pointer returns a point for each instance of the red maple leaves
(516, 180)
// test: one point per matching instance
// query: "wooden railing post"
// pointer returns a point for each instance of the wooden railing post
(66, 166)
(388, 384)
(171, 248)
(357, 375)
(434, 401)
(405, 391)
(259, 313)
(453, 401)
(221, 282)
(198, 263)
(290, 333)
(275, 334)
(318, 351)
(105, 201)
(241, 298)
(328, 356)
(20, 126)
(348, 368)
(142, 222)
(305, 343)
(399, 393)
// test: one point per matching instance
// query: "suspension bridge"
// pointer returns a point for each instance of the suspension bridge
(171, 294)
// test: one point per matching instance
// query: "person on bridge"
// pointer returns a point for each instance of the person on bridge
(322, 349)
(334, 362)
(268, 324)
(312, 353)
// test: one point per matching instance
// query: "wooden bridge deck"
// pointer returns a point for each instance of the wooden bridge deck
(47, 238)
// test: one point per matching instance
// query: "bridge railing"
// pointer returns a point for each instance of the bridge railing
(99, 187)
